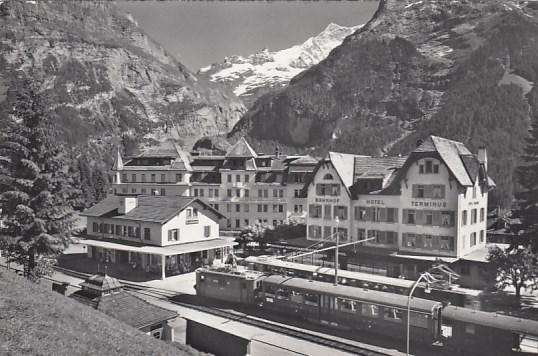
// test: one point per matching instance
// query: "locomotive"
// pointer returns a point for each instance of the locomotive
(454, 328)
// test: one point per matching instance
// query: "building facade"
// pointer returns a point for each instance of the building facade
(245, 186)
(156, 234)
(414, 211)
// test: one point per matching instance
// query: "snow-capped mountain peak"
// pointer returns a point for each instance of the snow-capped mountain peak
(252, 76)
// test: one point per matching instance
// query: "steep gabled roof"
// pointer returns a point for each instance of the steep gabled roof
(451, 153)
(105, 206)
(344, 164)
(241, 149)
(376, 167)
(166, 149)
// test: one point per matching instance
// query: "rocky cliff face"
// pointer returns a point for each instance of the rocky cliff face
(458, 69)
(103, 75)
(251, 77)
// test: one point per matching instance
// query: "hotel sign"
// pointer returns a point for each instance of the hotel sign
(328, 200)
(375, 202)
(429, 204)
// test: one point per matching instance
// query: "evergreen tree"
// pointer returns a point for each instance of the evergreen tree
(527, 199)
(35, 189)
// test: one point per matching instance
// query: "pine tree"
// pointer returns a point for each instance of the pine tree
(527, 199)
(35, 189)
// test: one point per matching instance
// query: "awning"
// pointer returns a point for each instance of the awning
(166, 250)
(427, 258)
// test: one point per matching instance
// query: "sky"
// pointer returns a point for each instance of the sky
(199, 33)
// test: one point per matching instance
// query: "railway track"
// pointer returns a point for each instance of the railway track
(166, 295)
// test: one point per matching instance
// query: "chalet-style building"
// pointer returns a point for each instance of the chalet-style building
(426, 208)
(106, 294)
(245, 186)
(163, 235)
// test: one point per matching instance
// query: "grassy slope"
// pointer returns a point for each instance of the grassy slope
(36, 321)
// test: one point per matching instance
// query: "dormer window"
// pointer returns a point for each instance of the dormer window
(328, 176)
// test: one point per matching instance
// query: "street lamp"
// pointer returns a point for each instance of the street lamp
(337, 219)
(429, 279)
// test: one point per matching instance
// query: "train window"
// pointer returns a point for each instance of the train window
(346, 305)
(270, 290)
(469, 329)
(419, 320)
(296, 297)
(370, 310)
(283, 294)
(311, 299)
(393, 314)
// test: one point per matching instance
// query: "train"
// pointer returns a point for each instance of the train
(454, 295)
(432, 324)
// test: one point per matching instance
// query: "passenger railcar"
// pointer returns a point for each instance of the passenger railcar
(353, 308)
(466, 330)
(270, 265)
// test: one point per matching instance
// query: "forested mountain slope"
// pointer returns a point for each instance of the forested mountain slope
(103, 78)
(458, 69)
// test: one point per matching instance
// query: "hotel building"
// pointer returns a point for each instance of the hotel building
(245, 186)
(418, 210)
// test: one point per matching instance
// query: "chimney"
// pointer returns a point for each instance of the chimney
(419, 142)
(483, 156)
(127, 204)
(277, 152)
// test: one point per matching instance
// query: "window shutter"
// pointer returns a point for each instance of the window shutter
(396, 210)
(436, 218)
(442, 192)
(420, 218)
(415, 190)
(369, 214)
(428, 191)
(383, 214)
(405, 216)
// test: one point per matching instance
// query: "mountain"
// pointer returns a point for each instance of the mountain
(259, 73)
(103, 76)
(464, 70)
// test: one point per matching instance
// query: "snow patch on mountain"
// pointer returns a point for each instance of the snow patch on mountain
(273, 69)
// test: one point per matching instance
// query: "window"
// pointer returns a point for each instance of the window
(163, 177)
(420, 191)
(360, 213)
(393, 314)
(275, 193)
(419, 319)
(238, 193)
(421, 169)
(247, 178)
(216, 193)
(429, 167)
(296, 193)
(260, 208)
(464, 218)
(245, 208)
(436, 168)
(481, 236)
(280, 208)
(447, 243)
(438, 191)
(130, 231)
(314, 211)
(229, 178)
(327, 231)
(247, 193)
(474, 192)
(410, 216)
(153, 177)
(118, 229)
(229, 192)
(474, 216)
(361, 234)
(447, 218)
(342, 233)
(246, 222)
(143, 190)
(96, 227)
(237, 208)
(163, 192)
(327, 212)
(265, 208)
(429, 217)
(482, 214)
(143, 177)
(229, 208)
(133, 177)
(237, 178)
(281, 193)
(469, 329)
(237, 223)
(310, 299)
(266, 193)
(392, 215)
(202, 192)
(314, 231)
(473, 239)
(124, 230)
(173, 235)
(124, 177)
(216, 206)
(124, 190)
(328, 176)
(347, 305)
(297, 208)
(409, 240)
(370, 310)
(340, 212)
(178, 177)
(427, 241)
(147, 233)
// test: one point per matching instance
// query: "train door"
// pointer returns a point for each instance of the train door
(326, 308)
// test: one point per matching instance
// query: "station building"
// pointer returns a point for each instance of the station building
(427, 208)
(246, 186)
(157, 235)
